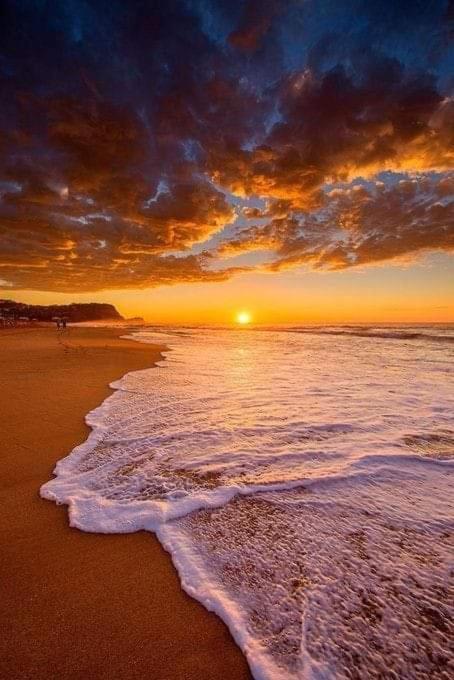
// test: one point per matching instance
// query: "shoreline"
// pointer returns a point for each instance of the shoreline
(85, 605)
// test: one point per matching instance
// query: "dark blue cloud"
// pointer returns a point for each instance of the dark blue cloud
(104, 102)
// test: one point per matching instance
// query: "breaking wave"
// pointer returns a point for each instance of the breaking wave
(303, 483)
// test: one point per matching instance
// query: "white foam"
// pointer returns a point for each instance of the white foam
(330, 440)
(327, 584)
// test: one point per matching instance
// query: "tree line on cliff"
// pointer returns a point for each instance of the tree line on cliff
(92, 311)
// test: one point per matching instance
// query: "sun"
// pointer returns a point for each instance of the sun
(243, 318)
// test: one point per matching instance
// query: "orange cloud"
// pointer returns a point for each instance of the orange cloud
(123, 138)
(358, 225)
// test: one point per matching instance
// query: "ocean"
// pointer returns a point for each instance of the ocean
(302, 480)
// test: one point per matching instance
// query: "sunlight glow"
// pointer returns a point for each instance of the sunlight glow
(243, 318)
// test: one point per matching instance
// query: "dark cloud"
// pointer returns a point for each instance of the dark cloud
(255, 22)
(334, 127)
(125, 130)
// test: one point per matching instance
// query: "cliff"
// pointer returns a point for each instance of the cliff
(93, 311)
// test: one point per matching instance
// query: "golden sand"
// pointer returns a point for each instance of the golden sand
(77, 605)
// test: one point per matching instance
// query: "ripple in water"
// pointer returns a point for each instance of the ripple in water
(303, 483)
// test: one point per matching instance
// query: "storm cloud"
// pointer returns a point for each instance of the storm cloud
(130, 134)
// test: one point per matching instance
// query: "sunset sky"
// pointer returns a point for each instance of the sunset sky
(184, 160)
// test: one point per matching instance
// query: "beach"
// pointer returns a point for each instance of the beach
(297, 495)
(75, 604)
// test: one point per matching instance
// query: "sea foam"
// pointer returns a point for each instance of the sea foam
(303, 483)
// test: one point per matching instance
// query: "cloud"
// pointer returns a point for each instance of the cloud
(254, 24)
(334, 126)
(128, 136)
(359, 224)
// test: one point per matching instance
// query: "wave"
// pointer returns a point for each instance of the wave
(373, 333)
(303, 490)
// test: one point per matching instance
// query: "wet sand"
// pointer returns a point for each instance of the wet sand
(77, 605)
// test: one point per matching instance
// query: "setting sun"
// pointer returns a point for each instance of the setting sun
(243, 318)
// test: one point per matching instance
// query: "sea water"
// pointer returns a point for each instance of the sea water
(302, 480)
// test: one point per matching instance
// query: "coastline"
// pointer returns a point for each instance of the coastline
(86, 605)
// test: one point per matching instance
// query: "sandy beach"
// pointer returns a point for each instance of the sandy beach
(79, 605)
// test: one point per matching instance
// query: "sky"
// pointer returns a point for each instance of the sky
(187, 159)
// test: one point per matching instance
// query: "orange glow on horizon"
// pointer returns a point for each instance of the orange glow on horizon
(413, 293)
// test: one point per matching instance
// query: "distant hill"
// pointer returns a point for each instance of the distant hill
(92, 311)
